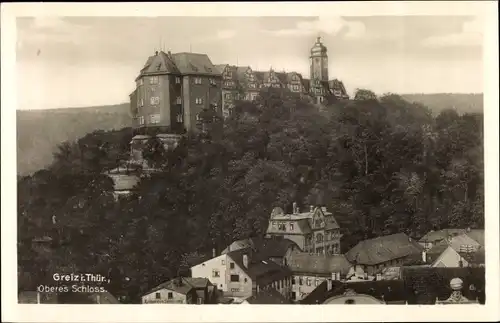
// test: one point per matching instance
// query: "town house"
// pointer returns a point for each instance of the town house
(373, 255)
(242, 273)
(310, 270)
(315, 231)
(182, 290)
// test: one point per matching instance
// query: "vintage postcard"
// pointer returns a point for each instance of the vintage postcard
(288, 156)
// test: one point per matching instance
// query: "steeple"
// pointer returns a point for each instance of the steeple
(319, 61)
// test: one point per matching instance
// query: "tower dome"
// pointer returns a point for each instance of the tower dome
(318, 48)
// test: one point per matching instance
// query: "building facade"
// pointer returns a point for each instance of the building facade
(241, 274)
(310, 270)
(182, 290)
(315, 231)
(372, 256)
(173, 89)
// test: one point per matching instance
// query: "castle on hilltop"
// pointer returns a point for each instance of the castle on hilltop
(185, 92)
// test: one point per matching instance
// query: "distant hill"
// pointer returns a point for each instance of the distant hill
(40, 131)
(463, 103)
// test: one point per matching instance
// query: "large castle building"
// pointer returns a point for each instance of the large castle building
(243, 83)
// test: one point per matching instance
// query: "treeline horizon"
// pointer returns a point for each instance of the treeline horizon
(381, 165)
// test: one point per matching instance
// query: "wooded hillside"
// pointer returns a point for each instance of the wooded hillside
(380, 165)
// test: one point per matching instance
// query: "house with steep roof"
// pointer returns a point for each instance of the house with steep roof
(373, 255)
(315, 231)
(172, 90)
(434, 237)
(242, 273)
(459, 251)
(310, 270)
(182, 290)
(276, 249)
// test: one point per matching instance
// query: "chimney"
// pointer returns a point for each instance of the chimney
(169, 54)
(156, 53)
(311, 209)
(295, 209)
(424, 256)
(329, 284)
(213, 253)
(323, 208)
(379, 277)
(179, 281)
(245, 260)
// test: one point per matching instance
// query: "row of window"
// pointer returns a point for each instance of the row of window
(308, 281)
(155, 100)
(156, 118)
(153, 80)
(170, 296)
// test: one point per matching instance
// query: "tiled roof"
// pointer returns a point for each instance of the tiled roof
(261, 270)
(382, 249)
(439, 235)
(269, 296)
(318, 264)
(221, 67)
(191, 63)
(282, 77)
(438, 248)
(273, 247)
(183, 286)
(197, 282)
(387, 290)
(476, 235)
(193, 259)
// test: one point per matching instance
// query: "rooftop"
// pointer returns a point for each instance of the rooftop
(382, 249)
(269, 296)
(260, 269)
(318, 264)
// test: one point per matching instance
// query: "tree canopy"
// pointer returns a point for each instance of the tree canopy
(381, 165)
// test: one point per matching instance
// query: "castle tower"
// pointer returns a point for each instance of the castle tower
(319, 61)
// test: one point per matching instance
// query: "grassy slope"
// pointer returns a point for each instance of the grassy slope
(40, 131)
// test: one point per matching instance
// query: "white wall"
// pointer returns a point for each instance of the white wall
(177, 298)
(205, 270)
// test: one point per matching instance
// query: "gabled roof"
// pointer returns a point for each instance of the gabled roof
(439, 235)
(476, 235)
(269, 296)
(160, 63)
(382, 249)
(318, 264)
(261, 270)
(183, 285)
(282, 77)
(221, 67)
(273, 247)
(192, 63)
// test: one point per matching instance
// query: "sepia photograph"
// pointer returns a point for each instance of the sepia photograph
(230, 159)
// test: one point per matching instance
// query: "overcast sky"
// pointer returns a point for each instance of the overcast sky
(69, 62)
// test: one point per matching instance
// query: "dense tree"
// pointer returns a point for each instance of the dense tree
(382, 165)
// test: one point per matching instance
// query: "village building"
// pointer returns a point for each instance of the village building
(243, 273)
(277, 249)
(445, 254)
(182, 290)
(434, 237)
(315, 231)
(310, 270)
(373, 255)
